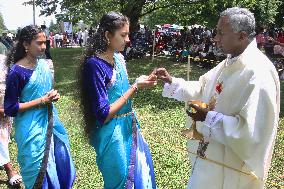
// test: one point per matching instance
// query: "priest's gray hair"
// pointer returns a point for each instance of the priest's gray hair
(241, 20)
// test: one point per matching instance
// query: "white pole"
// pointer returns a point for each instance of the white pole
(154, 43)
(34, 11)
(71, 30)
(188, 70)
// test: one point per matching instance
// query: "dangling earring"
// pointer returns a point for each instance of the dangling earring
(26, 50)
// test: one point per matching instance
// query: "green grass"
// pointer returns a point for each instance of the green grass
(161, 122)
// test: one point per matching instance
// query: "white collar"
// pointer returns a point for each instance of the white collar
(230, 60)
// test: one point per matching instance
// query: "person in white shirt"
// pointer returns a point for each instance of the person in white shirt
(61, 36)
(85, 37)
(56, 38)
(80, 37)
(47, 35)
(239, 125)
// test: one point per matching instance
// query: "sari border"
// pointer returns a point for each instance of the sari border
(131, 169)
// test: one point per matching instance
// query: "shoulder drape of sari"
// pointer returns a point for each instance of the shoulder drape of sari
(119, 144)
(31, 125)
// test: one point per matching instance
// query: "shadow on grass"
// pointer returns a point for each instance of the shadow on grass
(66, 62)
(5, 183)
(155, 100)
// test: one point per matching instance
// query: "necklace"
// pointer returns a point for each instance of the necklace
(108, 59)
(30, 62)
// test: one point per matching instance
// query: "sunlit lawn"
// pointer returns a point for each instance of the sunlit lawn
(161, 122)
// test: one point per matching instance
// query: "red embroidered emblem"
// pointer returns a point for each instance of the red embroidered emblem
(219, 88)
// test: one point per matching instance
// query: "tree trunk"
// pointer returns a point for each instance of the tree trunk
(133, 10)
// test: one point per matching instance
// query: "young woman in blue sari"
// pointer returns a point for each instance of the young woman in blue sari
(122, 155)
(43, 146)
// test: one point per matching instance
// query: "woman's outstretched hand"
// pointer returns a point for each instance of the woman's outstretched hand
(146, 81)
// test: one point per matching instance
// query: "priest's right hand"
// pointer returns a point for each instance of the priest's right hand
(164, 75)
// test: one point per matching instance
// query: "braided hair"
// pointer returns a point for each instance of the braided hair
(27, 34)
(97, 44)
(110, 22)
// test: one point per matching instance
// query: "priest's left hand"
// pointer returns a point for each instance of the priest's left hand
(200, 114)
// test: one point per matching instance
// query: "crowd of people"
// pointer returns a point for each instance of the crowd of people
(233, 109)
(196, 42)
(269, 40)
(65, 39)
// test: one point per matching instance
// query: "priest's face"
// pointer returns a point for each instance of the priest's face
(227, 40)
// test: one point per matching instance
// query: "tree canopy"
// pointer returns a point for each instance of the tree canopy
(2, 25)
(151, 12)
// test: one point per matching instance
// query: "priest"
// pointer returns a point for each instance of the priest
(239, 123)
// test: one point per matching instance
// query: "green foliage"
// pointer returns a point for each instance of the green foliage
(207, 13)
(265, 12)
(91, 11)
(54, 27)
(279, 19)
(184, 12)
(2, 25)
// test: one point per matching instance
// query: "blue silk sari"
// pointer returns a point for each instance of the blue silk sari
(123, 156)
(30, 135)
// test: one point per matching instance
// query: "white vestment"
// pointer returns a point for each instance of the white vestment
(85, 37)
(242, 127)
(5, 122)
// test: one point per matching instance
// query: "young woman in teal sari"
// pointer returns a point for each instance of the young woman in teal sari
(123, 156)
(43, 146)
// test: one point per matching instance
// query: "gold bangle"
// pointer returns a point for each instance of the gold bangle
(134, 87)
(124, 98)
(42, 101)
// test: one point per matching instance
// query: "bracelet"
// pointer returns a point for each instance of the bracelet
(134, 87)
(42, 101)
(124, 98)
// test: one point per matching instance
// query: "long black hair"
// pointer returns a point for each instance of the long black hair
(97, 44)
(27, 34)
